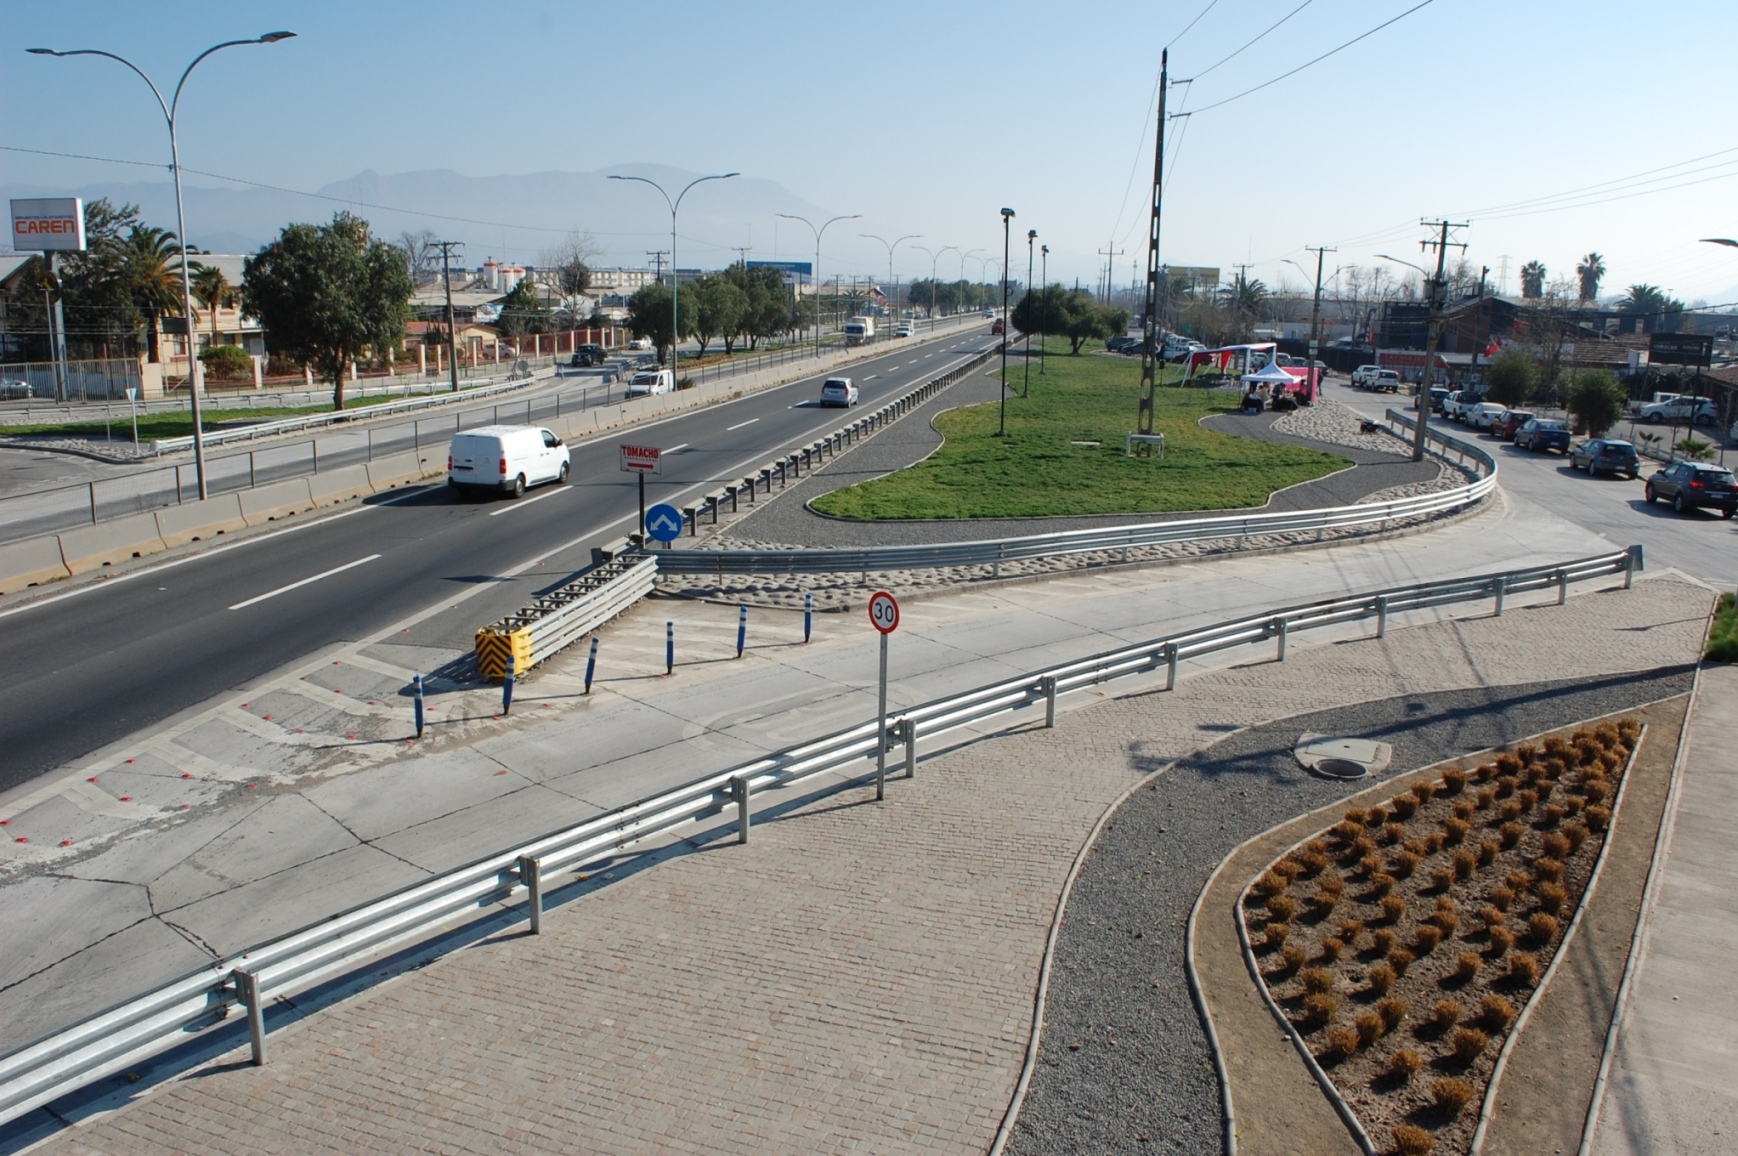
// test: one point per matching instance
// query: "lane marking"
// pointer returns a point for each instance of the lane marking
(304, 582)
(740, 424)
(680, 448)
(872, 377)
(523, 502)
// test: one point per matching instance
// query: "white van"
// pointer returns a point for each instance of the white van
(505, 458)
(647, 382)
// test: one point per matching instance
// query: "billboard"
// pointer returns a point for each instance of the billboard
(806, 268)
(1680, 349)
(48, 223)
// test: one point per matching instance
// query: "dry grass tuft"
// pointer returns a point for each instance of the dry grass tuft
(1524, 968)
(1542, 928)
(1488, 849)
(1433, 842)
(1317, 979)
(1273, 937)
(1502, 896)
(1411, 1140)
(1547, 870)
(1424, 792)
(1392, 1009)
(1466, 965)
(1509, 764)
(1333, 949)
(1496, 1013)
(1282, 908)
(1553, 897)
(1462, 863)
(1506, 786)
(1392, 833)
(1404, 806)
(1501, 940)
(1454, 831)
(1554, 815)
(1486, 798)
(1346, 830)
(1442, 878)
(1595, 791)
(1313, 862)
(1492, 916)
(1370, 1028)
(1351, 930)
(1292, 958)
(1404, 863)
(1453, 781)
(1271, 884)
(1510, 811)
(1576, 833)
(1425, 939)
(1393, 907)
(1598, 818)
(1446, 1013)
(1451, 1095)
(1468, 1044)
(1358, 815)
(1381, 979)
(1342, 1044)
(1318, 1011)
(1400, 959)
(1511, 834)
(1404, 1064)
(1383, 939)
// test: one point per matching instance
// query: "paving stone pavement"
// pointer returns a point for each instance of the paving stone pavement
(857, 978)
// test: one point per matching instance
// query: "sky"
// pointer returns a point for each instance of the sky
(928, 118)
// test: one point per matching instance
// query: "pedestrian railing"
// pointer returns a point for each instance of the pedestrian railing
(126, 1035)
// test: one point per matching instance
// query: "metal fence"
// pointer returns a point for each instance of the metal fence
(129, 1033)
(96, 380)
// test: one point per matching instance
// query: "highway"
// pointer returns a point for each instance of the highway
(90, 666)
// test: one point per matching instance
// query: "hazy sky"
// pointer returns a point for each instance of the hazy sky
(927, 118)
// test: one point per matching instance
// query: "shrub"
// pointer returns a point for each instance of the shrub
(1392, 833)
(1453, 781)
(1400, 959)
(1528, 799)
(1282, 908)
(1330, 885)
(1317, 979)
(1506, 786)
(1292, 958)
(1576, 833)
(1454, 830)
(1492, 915)
(1433, 842)
(1333, 948)
(1596, 791)
(1424, 792)
(1358, 815)
(1502, 896)
(1463, 863)
(1446, 921)
(1496, 1013)
(1370, 1029)
(1509, 811)
(1542, 928)
(1554, 814)
(1318, 1010)
(1383, 940)
(1485, 799)
(1466, 965)
(1371, 864)
(1274, 936)
(1346, 830)
(1392, 1009)
(1403, 864)
(1553, 897)
(1509, 764)
(1351, 930)
(1271, 884)
(1381, 883)
(1445, 1014)
(1463, 810)
(1393, 907)
(1381, 978)
(1468, 1044)
(1451, 1095)
(1524, 968)
(1501, 940)
(1511, 834)
(1484, 773)
(1342, 1044)
(1547, 870)
(1411, 1140)
(1488, 849)
(227, 363)
(1403, 1065)
(1313, 862)
(1425, 939)
(1598, 818)
(1442, 879)
(1405, 806)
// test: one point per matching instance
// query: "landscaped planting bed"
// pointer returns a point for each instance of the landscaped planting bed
(1403, 942)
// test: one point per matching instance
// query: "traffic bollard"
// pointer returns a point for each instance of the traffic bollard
(741, 631)
(507, 688)
(418, 681)
(591, 664)
(808, 616)
(669, 648)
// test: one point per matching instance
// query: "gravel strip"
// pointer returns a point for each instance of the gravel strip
(1124, 1064)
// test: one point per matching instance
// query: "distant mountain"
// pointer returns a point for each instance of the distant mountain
(507, 217)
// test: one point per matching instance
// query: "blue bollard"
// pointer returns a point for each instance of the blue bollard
(741, 631)
(808, 616)
(418, 681)
(507, 688)
(669, 648)
(591, 664)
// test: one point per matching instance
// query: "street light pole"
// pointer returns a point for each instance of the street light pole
(675, 277)
(890, 248)
(1044, 304)
(819, 233)
(934, 256)
(170, 108)
(1031, 239)
(1002, 426)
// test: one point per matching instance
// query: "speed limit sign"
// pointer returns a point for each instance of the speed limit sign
(883, 612)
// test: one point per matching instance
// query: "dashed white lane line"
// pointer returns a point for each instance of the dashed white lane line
(740, 424)
(523, 502)
(677, 449)
(303, 582)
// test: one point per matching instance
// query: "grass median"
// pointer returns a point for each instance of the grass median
(177, 423)
(1063, 454)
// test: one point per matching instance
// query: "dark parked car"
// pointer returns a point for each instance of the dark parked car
(587, 355)
(1689, 486)
(1127, 343)
(997, 328)
(1512, 421)
(1614, 457)
(1543, 433)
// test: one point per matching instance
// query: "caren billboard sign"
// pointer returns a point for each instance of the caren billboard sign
(48, 223)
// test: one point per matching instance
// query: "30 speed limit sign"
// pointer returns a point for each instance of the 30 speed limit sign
(883, 612)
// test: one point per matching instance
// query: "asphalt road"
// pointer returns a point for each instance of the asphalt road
(81, 671)
(1701, 543)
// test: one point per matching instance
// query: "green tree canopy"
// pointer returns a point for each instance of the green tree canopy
(649, 316)
(1533, 280)
(1588, 273)
(714, 306)
(1067, 313)
(212, 290)
(328, 294)
(523, 311)
(767, 310)
(1595, 401)
(1512, 377)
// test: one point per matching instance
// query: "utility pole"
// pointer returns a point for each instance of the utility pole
(658, 255)
(1110, 255)
(1478, 314)
(1316, 308)
(1149, 313)
(1436, 288)
(447, 248)
(742, 252)
(1503, 275)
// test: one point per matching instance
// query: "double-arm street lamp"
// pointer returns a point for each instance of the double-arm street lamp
(1433, 293)
(675, 277)
(817, 271)
(1044, 304)
(934, 255)
(1002, 429)
(890, 247)
(1031, 239)
(170, 107)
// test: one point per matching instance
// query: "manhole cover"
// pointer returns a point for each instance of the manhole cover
(1342, 758)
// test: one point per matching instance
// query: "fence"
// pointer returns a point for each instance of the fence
(128, 1033)
(97, 380)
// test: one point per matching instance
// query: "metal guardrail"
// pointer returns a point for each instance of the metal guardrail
(557, 619)
(995, 551)
(126, 1034)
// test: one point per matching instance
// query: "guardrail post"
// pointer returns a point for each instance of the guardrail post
(739, 796)
(1279, 628)
(808, 615)
(1381, 615)
(741, 630)
(1632, 561)
(1500, 586)
(507, 689)
(591, 664)
(247, 990)
(908, 732)
(416, 680)
(1171, 666)
(1562, 586)
(92, 486)
(1048, 685)
(669, 648)
(531, 874)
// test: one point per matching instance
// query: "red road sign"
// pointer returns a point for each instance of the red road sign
(883, 612)
(641, 459)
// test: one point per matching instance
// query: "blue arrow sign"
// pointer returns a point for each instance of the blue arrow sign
(664, 522)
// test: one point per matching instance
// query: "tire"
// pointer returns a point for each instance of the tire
(561, 478)
(1652, 498)
(1727, 512)
(1678, 506)
(1653, 419)
(519, 486)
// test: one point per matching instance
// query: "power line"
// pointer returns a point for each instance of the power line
(1252, 43)
(1192, 23)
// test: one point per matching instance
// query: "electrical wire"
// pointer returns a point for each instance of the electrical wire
(1172, 42)
(1252, 43)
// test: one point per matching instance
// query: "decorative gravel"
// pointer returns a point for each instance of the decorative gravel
(1123, 1063)
(119, 452)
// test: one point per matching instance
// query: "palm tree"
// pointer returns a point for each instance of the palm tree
(1533, 280)
(212, 290)
(1591, 269)
(153, 278)
(1652, 307)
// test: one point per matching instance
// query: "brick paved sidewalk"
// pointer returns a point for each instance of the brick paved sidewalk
(859, 977)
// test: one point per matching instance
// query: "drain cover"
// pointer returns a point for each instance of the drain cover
(1342, 758)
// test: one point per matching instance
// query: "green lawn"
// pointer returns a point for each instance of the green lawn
(1723, 639)
(175, 424)
(1034, 471)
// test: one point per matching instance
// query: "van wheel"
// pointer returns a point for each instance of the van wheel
(561, 479)
(519, 486)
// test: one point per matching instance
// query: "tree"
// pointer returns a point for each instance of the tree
(1595, 401)
(769, 303)
(523, 311)
(152, 278)
(1511, 378)
(419, 248)
(1067, 313)
(327, 294)
(1650, 308)
(571, 263)
(1588, 273)
(1532, 280)
(227, 363)
(212, 290)
(649, 316)
(714, 306)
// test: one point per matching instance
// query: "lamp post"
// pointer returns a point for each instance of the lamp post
(1044, 304)
(934, 255)
(890, 248)
(818, 234)
(1433, 288)
(170, 108)
(675, 277)
(1031, 239)
(1002, 420)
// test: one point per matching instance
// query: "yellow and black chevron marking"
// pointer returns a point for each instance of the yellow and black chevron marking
(493, 650)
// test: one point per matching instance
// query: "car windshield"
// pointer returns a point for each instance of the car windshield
(1714, 476)
(1549, 425)
(1618, 449)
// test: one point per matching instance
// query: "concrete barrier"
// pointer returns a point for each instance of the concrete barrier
(197, 521)
(340, 485)
(403, 469)
(93, 547)
(30, 563)
(275, 500)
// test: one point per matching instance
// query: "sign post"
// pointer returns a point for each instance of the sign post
(51, 225)
(133, 403)
(883, 616)
(642, 460)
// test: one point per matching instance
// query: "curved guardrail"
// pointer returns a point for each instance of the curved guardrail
(125, 1035)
